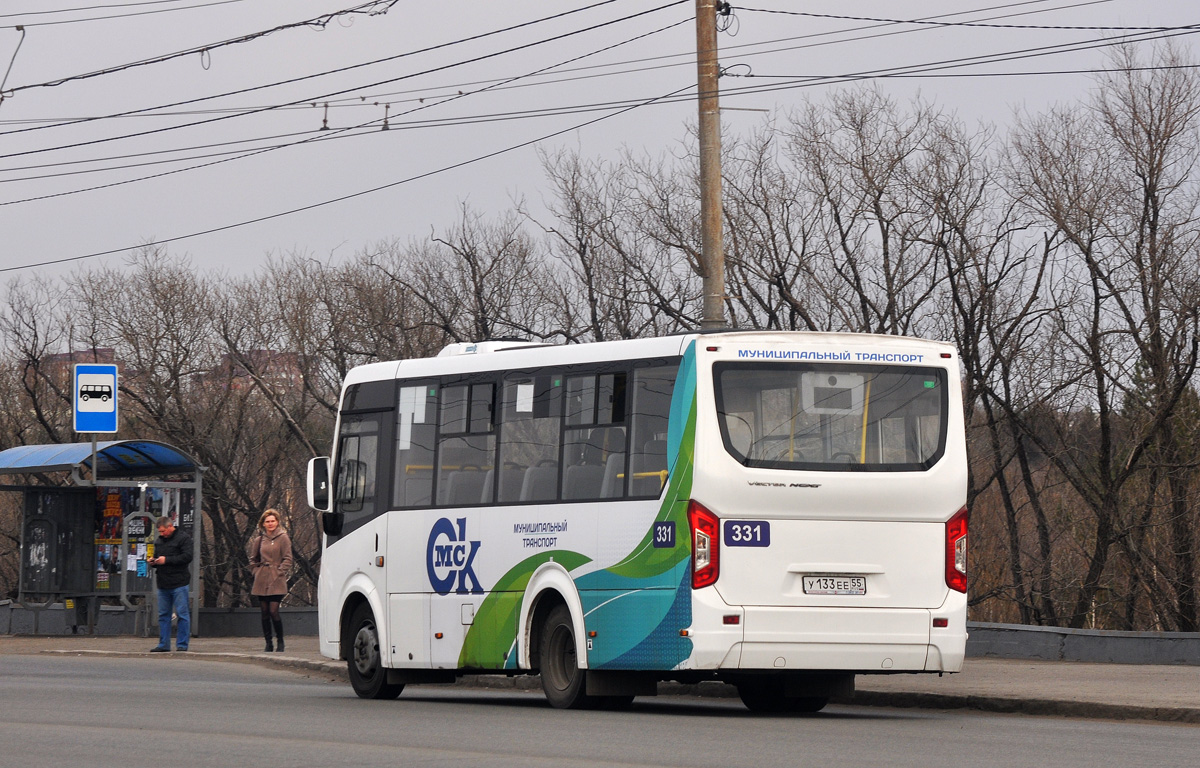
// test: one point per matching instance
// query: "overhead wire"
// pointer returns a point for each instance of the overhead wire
(542, 112)
(368, 130)
(302, 78)
(688, 55)
(264, 150)
(914, 70)
(802, 82)
(361, 99)
(208, 4)
(1026, 53)
(80, 9)
(328, 102)
(306, 100)
(361, 193)
(954, 23)
(370, 8)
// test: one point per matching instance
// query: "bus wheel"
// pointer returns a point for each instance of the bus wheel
(562, 679)
(767, 696)
(367, 675)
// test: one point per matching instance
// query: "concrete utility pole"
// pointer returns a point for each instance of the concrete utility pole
(712, 253)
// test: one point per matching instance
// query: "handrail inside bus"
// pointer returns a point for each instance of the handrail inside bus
(866, 408)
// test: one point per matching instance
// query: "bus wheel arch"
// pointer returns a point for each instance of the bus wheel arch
(549, 586)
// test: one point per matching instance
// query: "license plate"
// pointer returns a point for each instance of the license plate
(834, 584)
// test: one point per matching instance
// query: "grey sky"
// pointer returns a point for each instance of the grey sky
(335, 163)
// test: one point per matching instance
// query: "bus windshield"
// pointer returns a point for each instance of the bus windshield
(832, 417)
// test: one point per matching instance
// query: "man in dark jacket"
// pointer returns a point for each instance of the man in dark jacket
(172, 562)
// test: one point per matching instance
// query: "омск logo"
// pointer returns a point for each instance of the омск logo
(449, 556)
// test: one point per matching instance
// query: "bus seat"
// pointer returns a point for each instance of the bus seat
(613, 484)
(485, 490)
(510, 485)
(583, 481)
(463, 487)
(418, 485)
(539, 483)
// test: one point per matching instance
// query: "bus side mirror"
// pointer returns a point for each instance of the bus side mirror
(318, 483)
(331, 523)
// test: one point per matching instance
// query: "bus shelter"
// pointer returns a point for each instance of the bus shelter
(89, 536)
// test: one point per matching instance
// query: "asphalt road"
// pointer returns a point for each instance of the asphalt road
(100, 712)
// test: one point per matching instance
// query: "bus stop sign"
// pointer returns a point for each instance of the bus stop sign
(95, 398)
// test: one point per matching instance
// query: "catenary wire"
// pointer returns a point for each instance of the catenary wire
(477, 119)
(306, 100)
(264, 150)
(918, 70)
(731, 49)
(765, 76)
(361, 193)
(368, 99)
(955, 23)
(302, 78)
(915, 71)
(209, 4)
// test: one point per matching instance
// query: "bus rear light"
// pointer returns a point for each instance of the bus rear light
(941, 622)
(706, 548)
(734, 619)
(956, 551)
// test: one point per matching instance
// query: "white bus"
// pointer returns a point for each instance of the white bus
(779, 511)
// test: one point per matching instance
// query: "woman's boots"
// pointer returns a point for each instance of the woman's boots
(279, 634)
(266, 626)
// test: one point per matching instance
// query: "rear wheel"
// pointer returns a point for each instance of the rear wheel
(562, 680)
(767, 696)
(367, 675)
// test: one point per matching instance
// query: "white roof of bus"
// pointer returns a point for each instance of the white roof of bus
(536, 355)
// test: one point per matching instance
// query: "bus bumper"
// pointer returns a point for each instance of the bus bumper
(863, 640)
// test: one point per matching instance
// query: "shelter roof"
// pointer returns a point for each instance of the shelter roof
(116, 459)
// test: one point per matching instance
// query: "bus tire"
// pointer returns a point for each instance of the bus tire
(562, 680)
(767, 696)
(365, 665)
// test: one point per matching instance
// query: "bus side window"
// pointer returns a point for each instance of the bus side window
(594, 456)
(412, 484)
(652, 388)
(466, 444)
(531, 408)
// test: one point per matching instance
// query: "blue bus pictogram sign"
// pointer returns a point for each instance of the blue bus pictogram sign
(95, 398)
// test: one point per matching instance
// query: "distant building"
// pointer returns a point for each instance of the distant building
(279, 371)
(59, 368)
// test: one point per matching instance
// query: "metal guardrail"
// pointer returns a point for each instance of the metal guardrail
(1018, 641)
(55, 619)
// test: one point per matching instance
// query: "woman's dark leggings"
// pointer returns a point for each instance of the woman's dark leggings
(270, 616)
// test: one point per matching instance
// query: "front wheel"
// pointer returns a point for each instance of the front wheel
(562, 679)
(367, 675)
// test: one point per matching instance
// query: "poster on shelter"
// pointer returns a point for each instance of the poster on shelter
(116, 516)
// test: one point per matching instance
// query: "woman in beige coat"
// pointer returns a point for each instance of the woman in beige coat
(271, 561)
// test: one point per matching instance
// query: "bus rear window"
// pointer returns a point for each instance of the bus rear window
(832, 417)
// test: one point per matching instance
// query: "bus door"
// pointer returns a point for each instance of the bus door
(409, 524)
(360, 502)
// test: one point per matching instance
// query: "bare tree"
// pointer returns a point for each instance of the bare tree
(1117, 184)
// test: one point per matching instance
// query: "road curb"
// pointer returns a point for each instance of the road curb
(999, 704)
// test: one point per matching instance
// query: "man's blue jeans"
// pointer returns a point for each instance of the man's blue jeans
(174, 600)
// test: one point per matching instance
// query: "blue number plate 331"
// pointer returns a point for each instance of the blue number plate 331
(747, 533)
